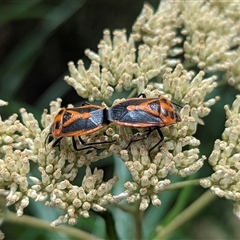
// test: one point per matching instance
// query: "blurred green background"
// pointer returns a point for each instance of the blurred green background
(37, 40)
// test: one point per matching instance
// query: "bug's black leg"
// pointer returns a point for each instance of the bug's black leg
(79, 149)
(81, 141)
(95, 143)
(150, 130)
(87, 145)
(85, 103)
(142, 95)
(161, 139)
(57, 143)
(74, 144)
(47, 139)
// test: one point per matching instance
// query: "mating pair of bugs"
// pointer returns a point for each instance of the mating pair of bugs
(140, 112)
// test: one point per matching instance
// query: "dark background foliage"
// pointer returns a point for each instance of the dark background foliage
(37, 40)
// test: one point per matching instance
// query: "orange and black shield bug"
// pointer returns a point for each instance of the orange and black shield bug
(78, 121)
(142, 112)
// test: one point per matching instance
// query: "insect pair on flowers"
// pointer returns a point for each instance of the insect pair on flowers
(140, 112)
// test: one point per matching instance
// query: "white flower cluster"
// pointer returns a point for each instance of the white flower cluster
(225, 180)
(212, 31)
(60, 167)
(78, 200)
(116, 66)
(119, 65)
(16, 146)
(150, 175)
(211, 46)
(159, 28)
(24, 142)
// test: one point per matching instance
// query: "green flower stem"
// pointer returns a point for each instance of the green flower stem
(40, 224)
(137, 216)
(185, 216)
(182, 200)
(126, 208)
(183, 184)
(138, 221)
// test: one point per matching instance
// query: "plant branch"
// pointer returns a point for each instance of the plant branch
(182, 184)
(186, 215)
(126, 208)
(138, 217)
(40, 224)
